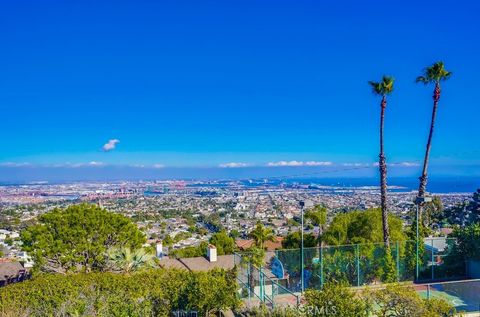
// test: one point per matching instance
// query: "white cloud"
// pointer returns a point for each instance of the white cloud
(14, 164)
(400, 164)
(356, 164)
(299, 163)
(315, 163)
(233, 165)
(95, 163)
(91, 164)
(110, 145)
(406, 164)
(158, 166)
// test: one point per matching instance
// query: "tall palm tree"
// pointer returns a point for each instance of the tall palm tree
(125, 260)
(431, 75)
(383, 88)
(260, 235)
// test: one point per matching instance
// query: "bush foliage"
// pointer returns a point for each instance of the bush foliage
(155, 292)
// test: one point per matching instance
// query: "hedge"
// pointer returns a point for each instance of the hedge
(155, 292)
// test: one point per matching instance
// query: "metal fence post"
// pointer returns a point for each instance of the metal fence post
(416, 251)
(262, 281)
(358, 263)
(302, 267)
(249, 271)
(433, 261)
(321, 267)
(398, 262)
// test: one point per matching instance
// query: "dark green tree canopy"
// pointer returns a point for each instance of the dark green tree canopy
(468, 242)
(362, 227)
(294, 240)
(465, 213)
(224, 243)
(317, 215)
(77, 238)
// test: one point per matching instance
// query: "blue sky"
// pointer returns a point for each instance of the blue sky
(203, 84)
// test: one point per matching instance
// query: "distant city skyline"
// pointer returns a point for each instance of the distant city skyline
(233, 89)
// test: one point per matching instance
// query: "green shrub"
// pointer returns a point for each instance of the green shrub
(399, 300)
(147, 293)
(336, 300)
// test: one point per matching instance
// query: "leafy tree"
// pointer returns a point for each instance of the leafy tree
(336, 299)
(389, 273)
(468, 242)
(383, 88)
(260, 235)
(318, 216)
(362, 227)
(77, 238)
(294, 240)
(190, 252)
(224, 243)
(125, 260)
(465, 213)
(375, 259)
(431, 75)
(433, 212)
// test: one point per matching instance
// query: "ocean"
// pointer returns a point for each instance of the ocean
(436, 185)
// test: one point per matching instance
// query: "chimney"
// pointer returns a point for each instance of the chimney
(212, 253)
(159, 249)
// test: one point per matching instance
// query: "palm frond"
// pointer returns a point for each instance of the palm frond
(422, 79)
(126, 260)
(384, 87)
(376, 87)
(434, 74)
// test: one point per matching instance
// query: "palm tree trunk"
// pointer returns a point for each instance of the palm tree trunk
(383, 177)
(423, 179)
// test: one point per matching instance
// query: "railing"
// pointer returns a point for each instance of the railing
(255, 284)
(357, 265)
(372, 263)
